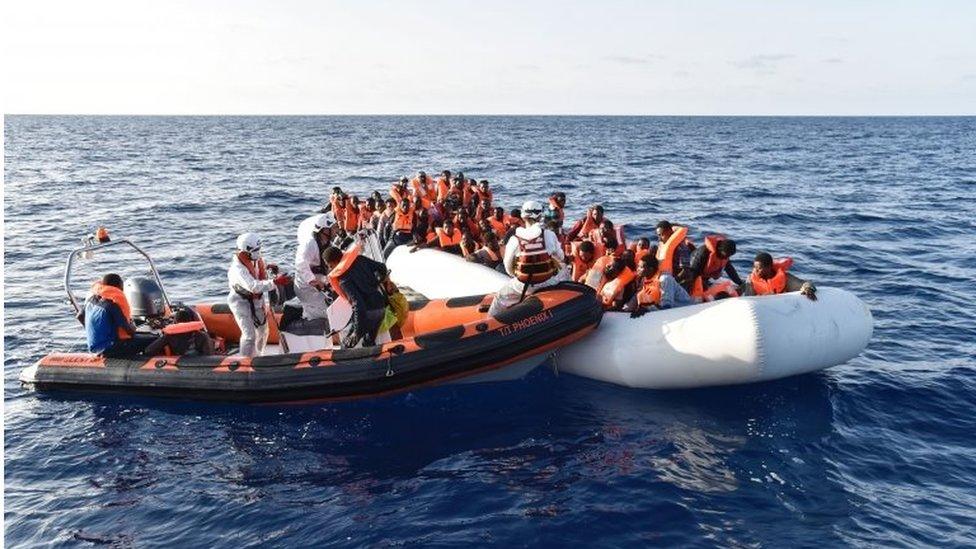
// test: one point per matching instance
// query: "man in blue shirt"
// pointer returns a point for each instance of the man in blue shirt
(108, 328)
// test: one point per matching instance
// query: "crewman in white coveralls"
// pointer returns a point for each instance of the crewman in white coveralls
(247, 277)
(314, 234)
(533, 258)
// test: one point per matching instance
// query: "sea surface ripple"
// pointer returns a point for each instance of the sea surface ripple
(879, 451)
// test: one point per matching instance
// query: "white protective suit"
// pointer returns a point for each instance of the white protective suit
(252, 321)
(511, 292)
(314, 304)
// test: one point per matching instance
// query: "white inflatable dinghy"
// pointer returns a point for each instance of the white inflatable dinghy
(726, 342)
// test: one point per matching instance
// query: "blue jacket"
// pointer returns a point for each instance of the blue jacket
(102, 322)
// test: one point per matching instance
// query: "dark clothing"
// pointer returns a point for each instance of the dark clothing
(102, 320)
(699, 260)
(397, 239)
(129, 348)
(361, 284)
(181, 344)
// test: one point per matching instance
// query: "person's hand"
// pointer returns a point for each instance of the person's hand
(414, 249)
(282, 280)
(638, 312)
(809, 290)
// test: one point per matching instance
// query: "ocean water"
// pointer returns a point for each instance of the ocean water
(879, 451)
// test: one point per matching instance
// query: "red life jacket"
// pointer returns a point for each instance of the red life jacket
(115, 295)
(184, 327)
(259, 272)
(774, 285)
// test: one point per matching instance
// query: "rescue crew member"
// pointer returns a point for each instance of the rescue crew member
(108, 322)
(358, 279)
(314, 235)
(707, 265)
(533, 258)
(247, 277)
(187, 334)
(656, 289)
(770, 277)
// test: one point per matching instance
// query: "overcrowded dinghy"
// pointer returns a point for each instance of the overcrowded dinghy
(724, 342)
(444, 340)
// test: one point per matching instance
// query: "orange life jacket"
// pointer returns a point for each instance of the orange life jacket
(485, 196)
(426, 192)
(445, 240)
(498, 226)
(347, 260)
(259, 272)
(533, 264)
(350, 218)
(403, 222)
(115, 295)
(581, 267)
(665, 251)
(443, 188)
(365, 217)
(650, 292)
(398, 193)
(774, 285)
(712, 270)
(613, 289)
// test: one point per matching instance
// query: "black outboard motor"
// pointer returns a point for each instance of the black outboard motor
(145, 298)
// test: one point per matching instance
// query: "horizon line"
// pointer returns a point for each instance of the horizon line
(511, 115)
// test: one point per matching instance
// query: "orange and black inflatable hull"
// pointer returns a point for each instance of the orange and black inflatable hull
(436, 349)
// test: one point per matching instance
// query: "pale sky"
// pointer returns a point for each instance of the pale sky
(489, 57)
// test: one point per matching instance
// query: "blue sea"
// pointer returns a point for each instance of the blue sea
(880, 451)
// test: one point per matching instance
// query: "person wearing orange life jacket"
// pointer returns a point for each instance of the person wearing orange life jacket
(186, 335)
(424, 189)
(641, 248)
(107, 319)
(447, 238)
(384, 225)
(402, 227)
(399, 190)
(770, 277)
(620, 285)
(556, 211)
(533, 258)
(350, 222)
(359, 280)
(605, 238)
(655, 289)
(468, 246)
(483, 190)
(367, 211)
(443, 185)
(592, 220)
(707, 265)
(497, 221)
(584, 257)
(338, 204)
(674, 251)
(247, 277)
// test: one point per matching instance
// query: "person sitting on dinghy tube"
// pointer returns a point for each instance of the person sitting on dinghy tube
(771, 277)
(247, 277)
(656, 289)
(707, 265)
(533, 258)
(314, 235)
(108, 322)
(358, 279)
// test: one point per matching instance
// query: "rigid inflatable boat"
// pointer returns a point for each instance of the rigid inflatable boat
(443, 340)
(725, 342)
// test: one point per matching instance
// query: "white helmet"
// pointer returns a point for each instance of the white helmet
(532, 210)
(250, 243)
(323, 222)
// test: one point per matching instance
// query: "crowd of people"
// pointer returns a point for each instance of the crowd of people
(456, 215)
